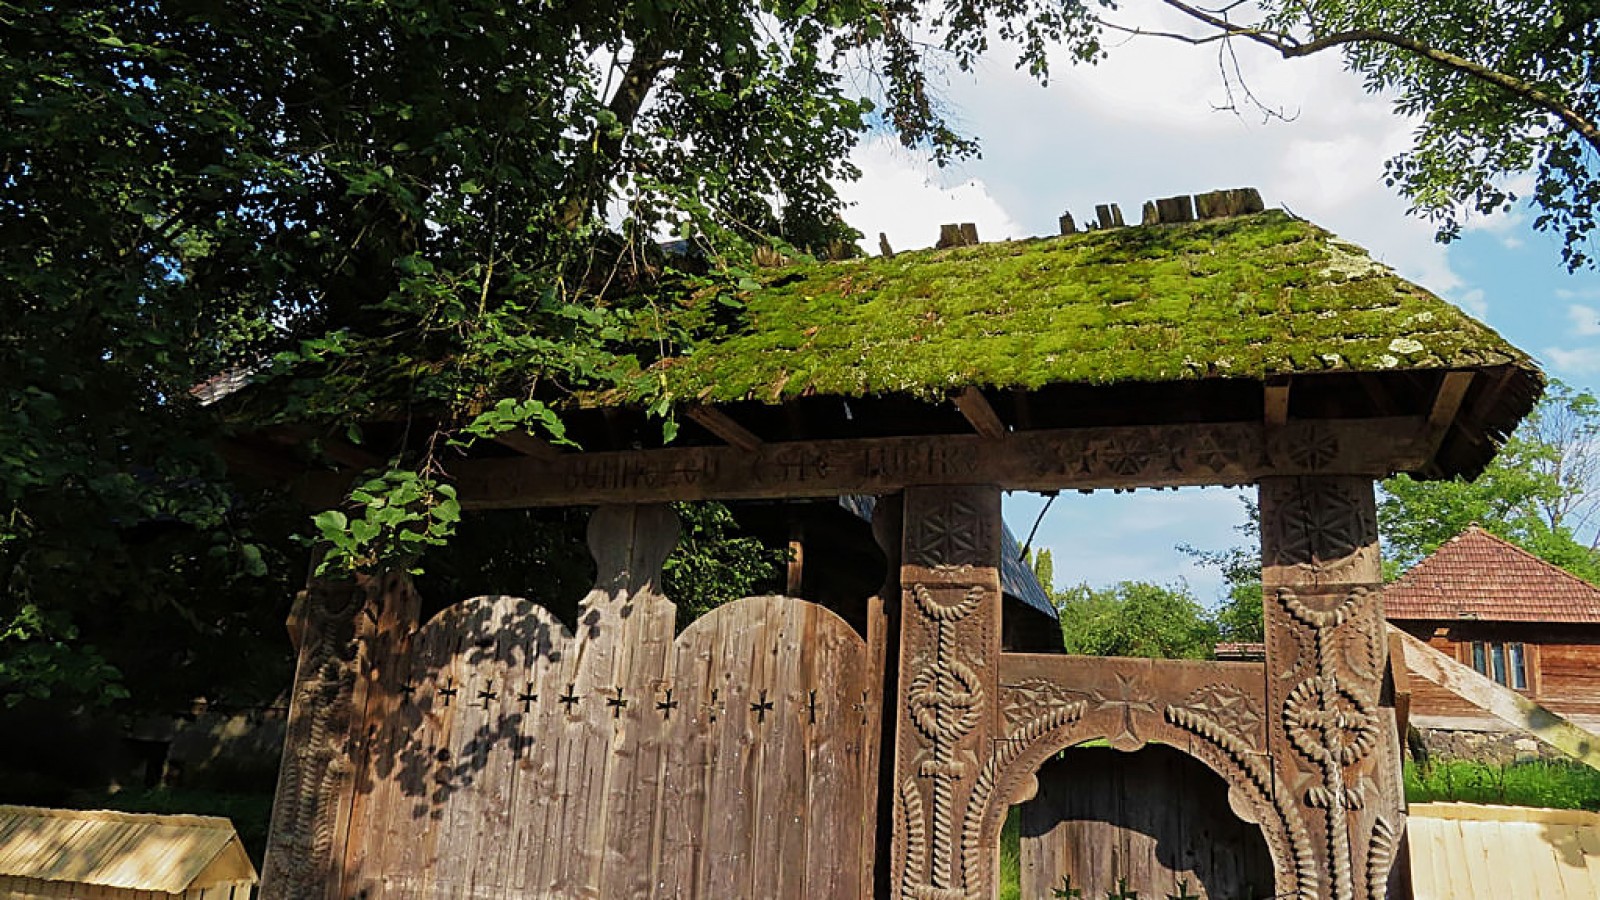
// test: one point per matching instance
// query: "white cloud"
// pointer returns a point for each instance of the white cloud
(1575, 361)
(1145, 123)
(1473, 301)
(901, 196)
(1103, 538)
(1585, 319)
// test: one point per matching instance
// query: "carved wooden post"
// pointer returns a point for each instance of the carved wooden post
(336, 627)
(1333, 740)
(949, 657)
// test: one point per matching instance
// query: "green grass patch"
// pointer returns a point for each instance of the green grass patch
(1011, 856)
(1557, 785)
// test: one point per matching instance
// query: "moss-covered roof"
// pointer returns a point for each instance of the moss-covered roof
(1245, 297)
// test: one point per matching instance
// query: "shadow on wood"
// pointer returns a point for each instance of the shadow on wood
(1155, 817)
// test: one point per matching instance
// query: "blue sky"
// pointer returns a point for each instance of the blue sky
(1146, 124)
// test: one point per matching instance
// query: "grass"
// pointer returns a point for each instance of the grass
(1557, 785)
(1011, 857)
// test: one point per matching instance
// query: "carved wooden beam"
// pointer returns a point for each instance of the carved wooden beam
(980, 415)
(1085, 458)
(723, 426)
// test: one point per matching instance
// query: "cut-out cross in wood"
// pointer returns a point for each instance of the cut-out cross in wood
(617, 704)
(448, 691)
(487, 694)
(569, 699)
(528, 697)
(761, 707)
(409, 690)
(713, 708)
(667, 705)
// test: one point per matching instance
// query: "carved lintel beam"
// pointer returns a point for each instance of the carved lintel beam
(1082, 458)
(724, 426)
(980, 415)
(1276, 404)
(527, 444)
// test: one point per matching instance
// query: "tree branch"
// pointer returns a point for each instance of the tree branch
(1290, 48)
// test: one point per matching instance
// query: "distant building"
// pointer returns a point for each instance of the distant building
(1514, 618)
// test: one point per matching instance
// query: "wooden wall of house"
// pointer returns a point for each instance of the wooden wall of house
(1563, 666)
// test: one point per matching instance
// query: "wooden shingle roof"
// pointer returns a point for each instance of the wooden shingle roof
(1476, 576)
(166, 854)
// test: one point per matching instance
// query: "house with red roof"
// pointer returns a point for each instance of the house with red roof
(1515, 619)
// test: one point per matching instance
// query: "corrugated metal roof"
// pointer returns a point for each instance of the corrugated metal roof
(1476, 576)
(112, 849)
(1465, 851)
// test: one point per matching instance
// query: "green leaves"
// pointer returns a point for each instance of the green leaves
(394, 518)
(1540, 493)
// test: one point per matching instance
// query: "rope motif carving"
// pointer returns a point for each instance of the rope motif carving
(990, 777)
(1380, 856)
(1331, 719)
(945, 701)
(1244, 755)
(303, 830)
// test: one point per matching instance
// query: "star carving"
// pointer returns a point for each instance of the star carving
(951, 533)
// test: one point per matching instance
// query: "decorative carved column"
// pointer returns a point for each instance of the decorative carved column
(948, 681)
(1333, 742)
(345, 634)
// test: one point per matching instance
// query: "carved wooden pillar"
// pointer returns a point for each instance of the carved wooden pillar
(345, 634)
(1333, 742)
(949, 657)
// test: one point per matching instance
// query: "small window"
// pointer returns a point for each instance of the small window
(1503, 663)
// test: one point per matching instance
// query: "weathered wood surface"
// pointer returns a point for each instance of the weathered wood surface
(1154, 820)
(1212, 711)
(1333, 744)
(1500, 702)
(507, 757)
(1120, 457)
(334, 627)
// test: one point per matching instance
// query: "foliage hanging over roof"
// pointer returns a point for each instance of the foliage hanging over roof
(1244, 297)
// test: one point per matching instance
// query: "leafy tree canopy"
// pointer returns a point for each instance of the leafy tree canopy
(374, 209)
(1135, 618)
(1540, 493)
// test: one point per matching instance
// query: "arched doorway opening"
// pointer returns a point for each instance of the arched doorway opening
(1155, 822)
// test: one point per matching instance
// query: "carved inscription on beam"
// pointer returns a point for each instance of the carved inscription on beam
(1154, 456)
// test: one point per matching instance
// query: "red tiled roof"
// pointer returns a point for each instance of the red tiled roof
(1477, 576)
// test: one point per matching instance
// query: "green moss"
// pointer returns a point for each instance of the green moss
(1243, 297)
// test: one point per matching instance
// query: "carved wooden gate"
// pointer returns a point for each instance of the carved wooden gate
(493, 753)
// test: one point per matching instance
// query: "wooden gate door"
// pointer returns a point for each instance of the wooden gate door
(504, 756)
